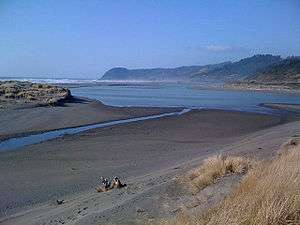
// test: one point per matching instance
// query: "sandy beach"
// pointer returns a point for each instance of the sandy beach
(146, 155)
(73, 113)
(150, 113)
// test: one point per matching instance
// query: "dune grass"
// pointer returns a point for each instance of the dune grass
(268, 194)
(216, 167)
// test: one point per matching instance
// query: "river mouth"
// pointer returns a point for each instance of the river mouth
(17, 143)
(163, 96)
(183, 96)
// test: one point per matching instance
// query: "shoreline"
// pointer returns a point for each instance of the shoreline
(99, 112)
(13, 144)
(263, 87)
(204, 86)
(127, 151)
(281, 107)
(119, 113)
(144, 154)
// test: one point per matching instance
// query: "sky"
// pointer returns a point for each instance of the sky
(85, 38)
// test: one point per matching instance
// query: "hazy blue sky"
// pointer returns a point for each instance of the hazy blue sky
(84, 38)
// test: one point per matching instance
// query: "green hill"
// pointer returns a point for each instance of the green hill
(241, 69)
(287, 71)
(215, 73)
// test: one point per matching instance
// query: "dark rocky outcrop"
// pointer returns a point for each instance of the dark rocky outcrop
(14, 93)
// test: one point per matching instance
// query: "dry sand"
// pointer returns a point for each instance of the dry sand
(146, 155)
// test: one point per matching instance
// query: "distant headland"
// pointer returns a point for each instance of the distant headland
(258, 70)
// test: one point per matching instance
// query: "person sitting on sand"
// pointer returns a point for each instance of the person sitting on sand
(116, 183)
(106, 185)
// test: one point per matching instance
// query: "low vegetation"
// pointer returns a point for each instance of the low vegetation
(216, 167)
(268, 194)
(14, 92)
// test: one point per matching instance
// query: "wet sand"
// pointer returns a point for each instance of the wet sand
(291, 107)
(73, 113)
(140, 153)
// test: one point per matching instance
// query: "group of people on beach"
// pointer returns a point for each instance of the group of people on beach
(108, 185)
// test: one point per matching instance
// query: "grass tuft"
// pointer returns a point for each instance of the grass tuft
(216, 167)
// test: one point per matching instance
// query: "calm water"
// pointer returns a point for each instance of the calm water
(183, 96)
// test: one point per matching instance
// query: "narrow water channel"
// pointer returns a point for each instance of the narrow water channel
(19, 142)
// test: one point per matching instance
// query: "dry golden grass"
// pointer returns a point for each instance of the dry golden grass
(269, 194)
(216, 167)
(182, 219)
